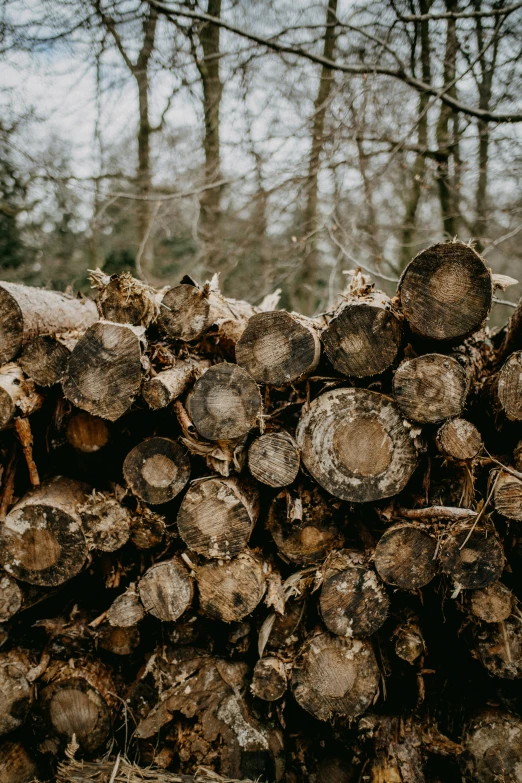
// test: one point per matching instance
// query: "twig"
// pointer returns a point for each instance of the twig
(481, 513)
(23, 430)
(7, 493)
(437, 512)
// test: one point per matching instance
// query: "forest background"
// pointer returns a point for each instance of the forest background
(279, 143)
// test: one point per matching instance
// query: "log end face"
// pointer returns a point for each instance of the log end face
(166, 590)
(509, 386)
(405, 557)
(430, 388)
(273, 459)
(73, 706)
(362, 340)
(459, 439)
(446, 292)
(87, 433)
(184, 313)
(472, 558)
(230, 591)
(157, 469)
(277, 349)
(44, 360)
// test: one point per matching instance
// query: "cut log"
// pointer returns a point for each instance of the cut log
(493, 748)
(18, 397)
(127, 610)
(225, 403)
(124, 300)
(170, 384)
(492, 604)
(301, 523)
(459, 439)
(430, 388)
(499, 648)
(408, 640)
(15, 694)
(507, 495)
(335, 676)
(147, 528)
(188, 311)
(230, 591)
(397, 751)
(105, 522)
(16, 764)
(278, 348)
(104, 370)
(11, 597)
(273, 459)
(217, 516)
(446, 292)
(41, 540)
(28, 312)
(363, 337)
(78, 700)
(166, 590)
(119, 641)
(156, 470)
(405, 556)
(87, 433)
(352, 602)
(355, 445)
(269, 681)
(517, 456)
(509, 387)
(473, 558)
(44, 358)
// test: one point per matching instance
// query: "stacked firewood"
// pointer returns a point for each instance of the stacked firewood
(239, 543)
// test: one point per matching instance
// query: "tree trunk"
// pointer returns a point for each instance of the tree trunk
(309, 276)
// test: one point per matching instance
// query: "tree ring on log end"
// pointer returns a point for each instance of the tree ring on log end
(335, 676)
(73, 706)
(430, 388)
(157, 469)
(509, 386)
(166, 590)
(225, 403)
(231, 590)
(476, 563)
(184, 312)
(277, 348)
(446, 291)
(348, 433)
(405, 557)
(42, 545)
(11, 326)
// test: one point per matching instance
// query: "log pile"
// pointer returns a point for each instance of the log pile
(241, 544)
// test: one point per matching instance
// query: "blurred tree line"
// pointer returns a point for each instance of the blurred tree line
(277, 143)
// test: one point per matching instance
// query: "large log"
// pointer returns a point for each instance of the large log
(44, 358)
(18, 396)
(364, 336)
(104, 370)
(157, 469)
(335, 677)
(42, 540)
(278, 348)
(355, 445)
(430, 388)
(224, 403)
(217, 516)
(29, 312)
(446, 292)
(15, 693)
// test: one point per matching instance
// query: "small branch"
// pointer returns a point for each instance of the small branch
(7, 492)
(23, 430)
(450, 513)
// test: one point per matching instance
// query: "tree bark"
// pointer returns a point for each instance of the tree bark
(29, 312)
(168, 385)
(309, 277)
(18, 397)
